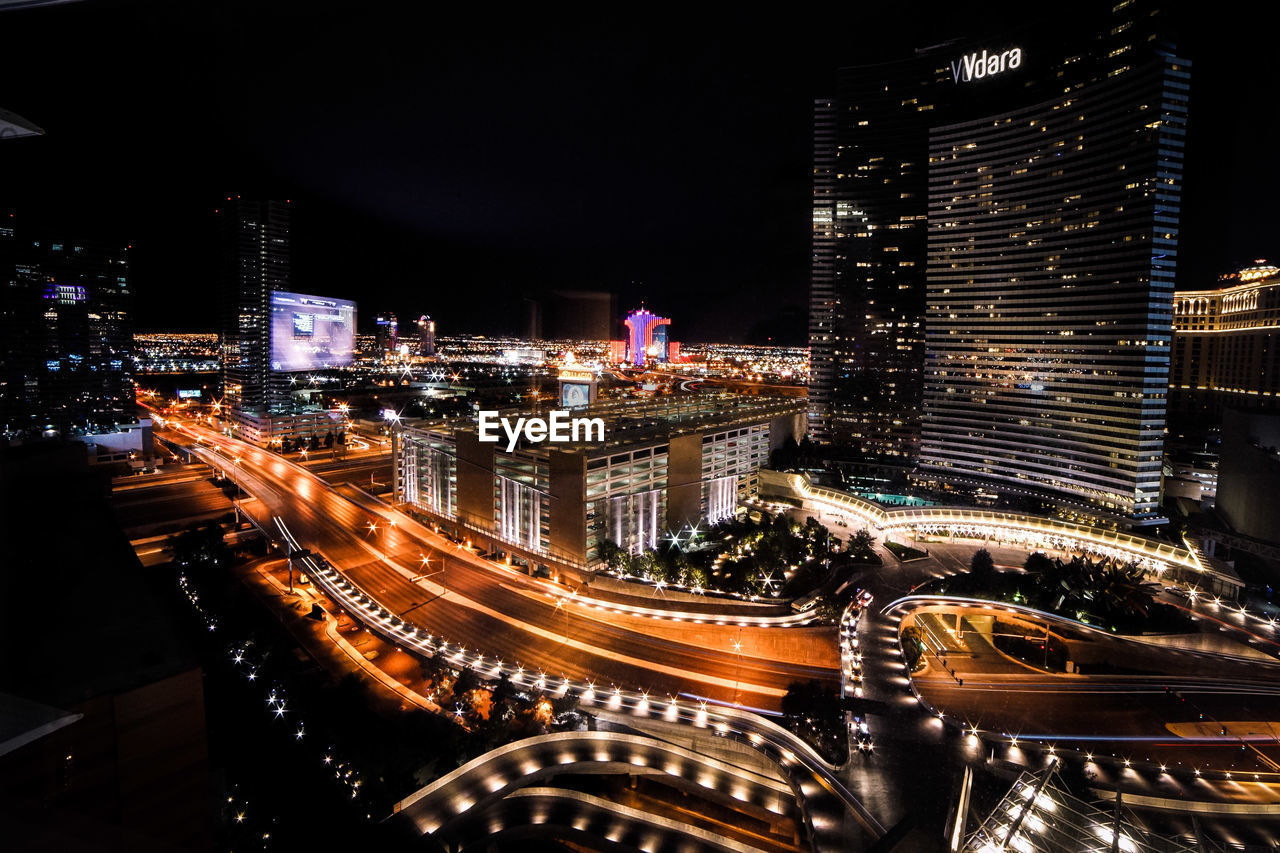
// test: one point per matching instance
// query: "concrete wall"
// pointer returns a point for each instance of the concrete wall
(787, 426)
(684, 481)
(568, 513)
(475, 479)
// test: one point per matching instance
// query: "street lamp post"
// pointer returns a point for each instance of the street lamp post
(426, 564)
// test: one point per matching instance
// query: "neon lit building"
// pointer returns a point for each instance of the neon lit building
(646, 340)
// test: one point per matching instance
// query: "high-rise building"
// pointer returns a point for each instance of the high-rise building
(646, 337)
(426, 336)
(66, 335)
(1226, 351)
(254, 237)
(387, 333)
(995, 239)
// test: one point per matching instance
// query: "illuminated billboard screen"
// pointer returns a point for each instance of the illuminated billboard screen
(575, 395)
(189, 393)
(310, 332)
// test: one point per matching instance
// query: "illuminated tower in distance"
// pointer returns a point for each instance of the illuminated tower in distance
(641, 325)
(426, 335)
(387, 331)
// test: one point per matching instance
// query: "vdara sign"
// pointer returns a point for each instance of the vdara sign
(976, 65)
(559, 428)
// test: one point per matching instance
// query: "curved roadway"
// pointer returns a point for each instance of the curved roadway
(450, 591)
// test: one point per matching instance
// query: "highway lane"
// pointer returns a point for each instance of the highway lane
(416, 605)
(596, 650)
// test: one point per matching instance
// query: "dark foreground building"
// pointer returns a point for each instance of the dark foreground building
(102, 705)
(995, 240)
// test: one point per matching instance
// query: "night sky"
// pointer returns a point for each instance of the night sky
(452, 164)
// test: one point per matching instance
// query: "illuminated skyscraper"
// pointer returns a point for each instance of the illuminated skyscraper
(254, 237)
(643, 329)
(387, 331)
(426, 335)
(995, 241)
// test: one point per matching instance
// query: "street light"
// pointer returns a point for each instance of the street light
(426, 563)
(560, 606)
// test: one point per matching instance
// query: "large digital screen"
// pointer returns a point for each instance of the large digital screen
(575, 395)
(311, 332)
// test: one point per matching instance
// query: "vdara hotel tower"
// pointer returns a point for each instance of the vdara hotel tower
(995, 241)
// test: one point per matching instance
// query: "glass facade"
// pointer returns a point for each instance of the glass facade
(254, 238)
(66, 342)
(994, 259)
(1053, 236)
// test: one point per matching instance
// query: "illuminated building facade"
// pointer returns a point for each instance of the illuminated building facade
(387, 334)
(663, 465)
(254, 238)
(426, 336)
(646, 337)
(996, 228)
(1226, 344)
(66, 336)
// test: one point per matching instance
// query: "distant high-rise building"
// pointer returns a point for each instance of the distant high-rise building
(255, 260)
(1225, 348)
(387, 333)
(995, 238)
(66, 335)
(642, 327)
(426, 336)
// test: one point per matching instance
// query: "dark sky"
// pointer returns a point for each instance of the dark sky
(451, 163)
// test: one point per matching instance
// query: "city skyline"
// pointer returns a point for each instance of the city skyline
(678, 169)
(822, 432)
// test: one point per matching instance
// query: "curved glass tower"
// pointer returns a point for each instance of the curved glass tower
(996, 228)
